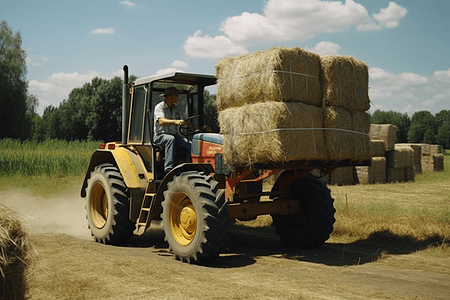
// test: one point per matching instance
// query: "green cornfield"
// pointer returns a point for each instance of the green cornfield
(52, 157)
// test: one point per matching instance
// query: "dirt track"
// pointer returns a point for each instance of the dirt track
(67, 264)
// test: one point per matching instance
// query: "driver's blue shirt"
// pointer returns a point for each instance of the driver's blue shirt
(162, 110)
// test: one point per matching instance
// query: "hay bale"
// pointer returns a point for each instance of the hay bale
(346, 134)
(376, 173)
(272, 132)
(434, 162)
(401, 157)
(345, 82)
(13, 256)
(377, 148)
(399, 174)
(278, 74)
(417, 150)
(341, 176)
(384, 132)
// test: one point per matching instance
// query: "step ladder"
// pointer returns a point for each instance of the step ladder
(146, 211)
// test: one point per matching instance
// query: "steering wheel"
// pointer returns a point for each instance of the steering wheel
(190, 129)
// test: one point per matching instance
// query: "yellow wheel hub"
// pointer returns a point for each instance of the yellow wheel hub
(99, 205)
(183, 219)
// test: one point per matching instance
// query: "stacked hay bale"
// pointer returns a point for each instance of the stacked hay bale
(13, 257)
(432, 159)
(417, 155)
(385, 133)
(376, 173)
(269, 107)
(341, 176)
(400, 164)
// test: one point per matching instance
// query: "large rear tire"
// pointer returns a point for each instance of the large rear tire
(195, 217)
(313, 226)
(107, 206)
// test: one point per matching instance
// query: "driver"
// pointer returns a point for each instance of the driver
(167, 118)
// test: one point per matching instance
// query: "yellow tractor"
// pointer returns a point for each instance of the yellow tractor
(126, 187)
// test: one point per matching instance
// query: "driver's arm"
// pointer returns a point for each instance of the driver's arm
(169, 122)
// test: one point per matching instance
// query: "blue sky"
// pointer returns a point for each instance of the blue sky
(405, 42)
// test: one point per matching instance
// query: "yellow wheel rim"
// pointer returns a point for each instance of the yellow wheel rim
(183, 219)
(99, 205)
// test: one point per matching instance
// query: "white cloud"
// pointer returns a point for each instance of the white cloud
(103, 31)
(31, 62)
(390, 17)
(290, 20)
(325, 47)
(203, 46)
(54, 89)
(179, 64)
(409, 92)
(127, 3)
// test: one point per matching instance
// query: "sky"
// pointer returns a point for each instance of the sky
(404, 42)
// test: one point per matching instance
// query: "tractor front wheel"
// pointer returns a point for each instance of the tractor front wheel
(107, 206)
(195, 217)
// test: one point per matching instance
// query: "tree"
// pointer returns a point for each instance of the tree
(14, 121)
(443, 134)
(402, 121)
(423, 128)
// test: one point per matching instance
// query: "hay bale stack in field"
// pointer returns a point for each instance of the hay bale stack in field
(376, 173)
(377, 148)
(272, 132)
(278, 74)
(417, 155)
(346, 134)
(341, 176)
(400, 164)
(13, 256)
(384, 132)
(432, 159)
(345, 82)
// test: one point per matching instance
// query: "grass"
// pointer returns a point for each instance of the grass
(52, 157)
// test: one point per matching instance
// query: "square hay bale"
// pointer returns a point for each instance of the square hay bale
(377, 148)
(345, 82)
(384, 132)
(401, 157)
(346, 134)
(278, 74)
(434, 162)
(13, 256)
(272, 132)
(417, 150)
(376, 173)
(399, 174)
(341, 176)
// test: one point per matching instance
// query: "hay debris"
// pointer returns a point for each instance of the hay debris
(272, 132)
(278, 74)
(384, 132)
(376, 173)
(345, 82)
(13, 256)
(346, 136)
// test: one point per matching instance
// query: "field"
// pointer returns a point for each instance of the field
(391, 241)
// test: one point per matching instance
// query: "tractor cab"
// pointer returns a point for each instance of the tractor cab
(145, 94)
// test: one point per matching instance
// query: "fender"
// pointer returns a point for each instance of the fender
(129, 164)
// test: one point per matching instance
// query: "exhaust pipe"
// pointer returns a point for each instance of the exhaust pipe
(125, 104)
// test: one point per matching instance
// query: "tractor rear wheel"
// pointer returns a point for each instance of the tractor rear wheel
(313, 226)
(195, 217)
(107, 206)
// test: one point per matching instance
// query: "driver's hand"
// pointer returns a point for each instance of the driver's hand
(180, 122)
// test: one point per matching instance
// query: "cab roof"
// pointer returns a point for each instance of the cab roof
(180, 78)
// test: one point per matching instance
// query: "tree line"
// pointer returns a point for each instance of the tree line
(93, 111)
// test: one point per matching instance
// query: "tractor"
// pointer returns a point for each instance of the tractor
(126, 188)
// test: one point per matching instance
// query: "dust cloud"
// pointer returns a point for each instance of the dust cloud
(55, 215)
